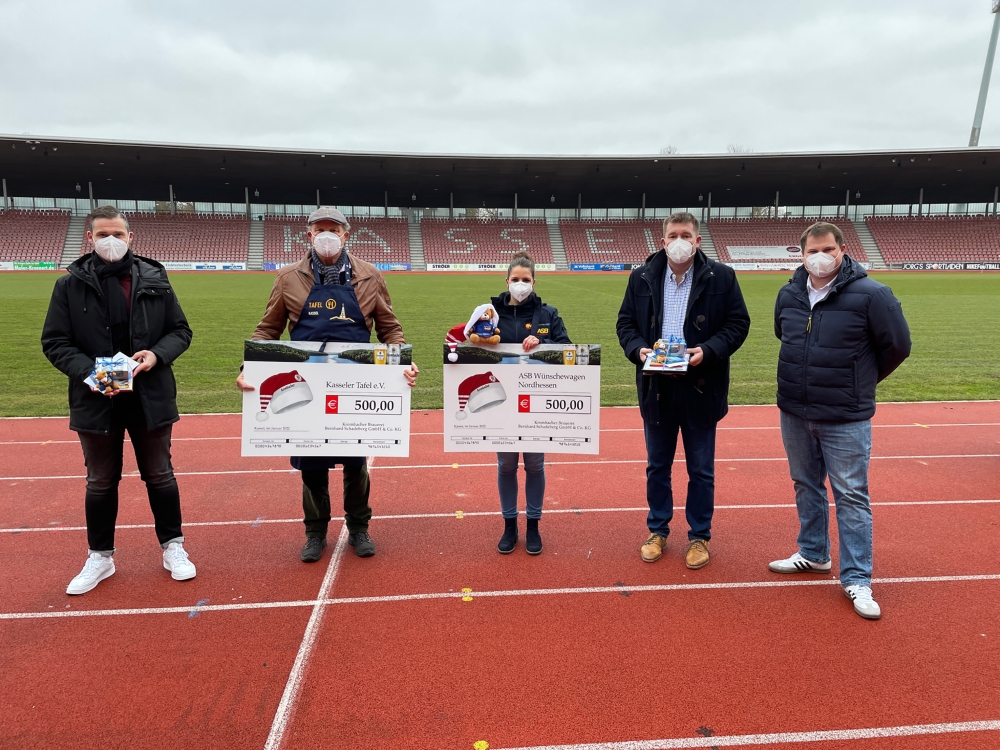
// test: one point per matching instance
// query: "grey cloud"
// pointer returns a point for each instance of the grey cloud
(514, 77)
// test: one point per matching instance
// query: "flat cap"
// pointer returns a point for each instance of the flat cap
(327, 213)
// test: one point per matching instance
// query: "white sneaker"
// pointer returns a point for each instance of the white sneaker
(97, 568)
(864, 605)
(175, 559)
(798, 564)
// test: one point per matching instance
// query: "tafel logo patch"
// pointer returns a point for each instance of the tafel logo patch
(331, 304)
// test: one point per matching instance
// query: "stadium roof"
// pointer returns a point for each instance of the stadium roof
(52, 167)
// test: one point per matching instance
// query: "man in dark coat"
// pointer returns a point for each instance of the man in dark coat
(841, 333)
(681, 292)
(113, 301)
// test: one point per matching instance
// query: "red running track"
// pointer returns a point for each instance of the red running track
(583, 644)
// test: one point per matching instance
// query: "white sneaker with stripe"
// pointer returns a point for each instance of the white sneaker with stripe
(798, 564)
(864, 605)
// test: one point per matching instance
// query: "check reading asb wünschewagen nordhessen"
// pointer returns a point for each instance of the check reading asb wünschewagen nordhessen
(501, 398)
(326, 399)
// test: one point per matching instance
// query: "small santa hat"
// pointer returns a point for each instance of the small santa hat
(283, 392)
(477, 314)
(478, 393)
(454, 337)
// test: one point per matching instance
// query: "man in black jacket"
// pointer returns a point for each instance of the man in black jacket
(680, 291)
(111, 301)
(841, 333)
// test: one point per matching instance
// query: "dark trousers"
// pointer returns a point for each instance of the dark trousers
(103, 456)
(699, 453)
(316, 497)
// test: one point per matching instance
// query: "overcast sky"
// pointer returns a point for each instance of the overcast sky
(507, 77)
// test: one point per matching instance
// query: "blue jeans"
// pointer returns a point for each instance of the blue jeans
(842, 452)
(534, 483)
(699, 453)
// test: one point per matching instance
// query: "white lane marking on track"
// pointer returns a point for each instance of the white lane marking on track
(609, 429)
(780, 738)
(776, 584)
(467, 513)
(599, 462)
(286, 706)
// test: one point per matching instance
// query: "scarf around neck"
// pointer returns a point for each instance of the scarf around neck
(109, 275)
(332, 274)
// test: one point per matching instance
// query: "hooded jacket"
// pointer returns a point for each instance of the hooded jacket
(833, 355)
(76, 332)
(716, 320)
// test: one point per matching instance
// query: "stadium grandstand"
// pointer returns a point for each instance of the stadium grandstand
(408, 212)
(626, 241)
(773, 241)
(32, 236)
(382, 241)
(934, 239)
(484, 242)
(195, 238)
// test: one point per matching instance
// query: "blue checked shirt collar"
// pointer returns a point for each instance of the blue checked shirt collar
(675, 299)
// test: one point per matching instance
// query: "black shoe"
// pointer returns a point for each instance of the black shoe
(362, 543)
(509, 538)
(313, 549)
(533, 540)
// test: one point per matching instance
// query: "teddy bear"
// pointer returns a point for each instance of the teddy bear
(484, 330)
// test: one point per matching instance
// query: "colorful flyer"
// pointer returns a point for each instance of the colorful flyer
(323, 399)
(501, 398)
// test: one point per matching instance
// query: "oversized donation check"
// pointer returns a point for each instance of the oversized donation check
(501, 398)
(323, 399)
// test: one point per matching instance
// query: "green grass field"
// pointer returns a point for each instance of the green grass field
(953, 316)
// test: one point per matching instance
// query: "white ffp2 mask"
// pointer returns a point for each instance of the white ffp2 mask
(820, 264)
(110, 249)
(680, 250)
(327, 246)
(520, 290)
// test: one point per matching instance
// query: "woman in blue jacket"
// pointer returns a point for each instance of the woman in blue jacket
(524, 320)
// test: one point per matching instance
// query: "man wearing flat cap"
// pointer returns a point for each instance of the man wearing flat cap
(328, 272)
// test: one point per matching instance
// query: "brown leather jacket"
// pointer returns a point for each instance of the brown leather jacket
(291, 288)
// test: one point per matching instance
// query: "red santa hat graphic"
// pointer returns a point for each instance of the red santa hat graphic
(283, 392)
(478, 393)
(454, 337)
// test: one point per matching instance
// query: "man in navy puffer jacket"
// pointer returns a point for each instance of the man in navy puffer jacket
(841, 334)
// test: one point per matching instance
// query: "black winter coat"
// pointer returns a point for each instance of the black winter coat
(834, 354)
(529, 318)
(76, 332)
(717, 320)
